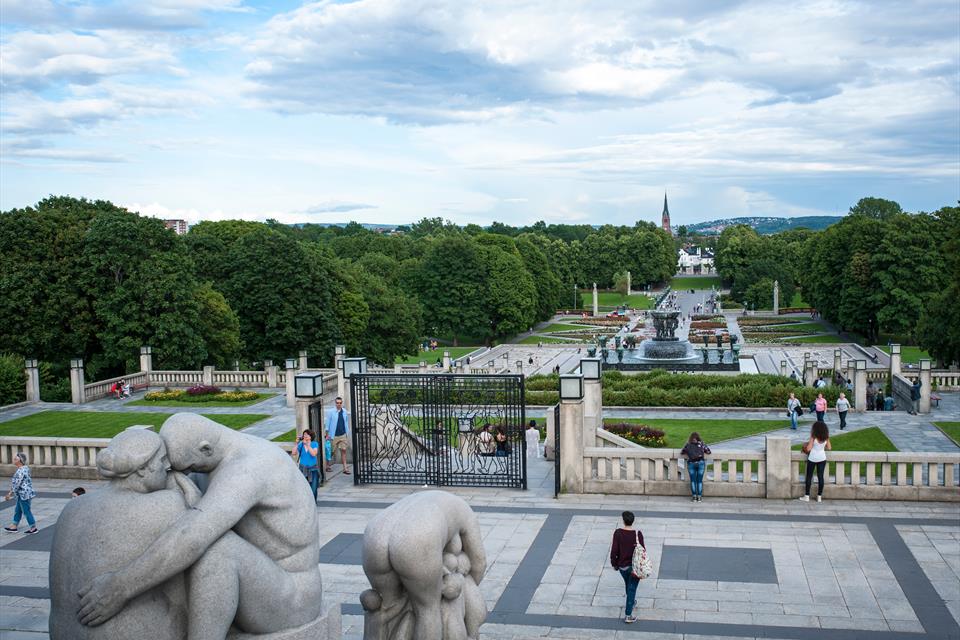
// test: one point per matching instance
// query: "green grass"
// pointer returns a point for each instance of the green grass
(286, 437)
(611, 299)
(199, 405)
(950, 429)
(103, 424)
(695, 282)
(824, 339)
(801, 327)
(910, 355)
(678, 431)
(549, 340)
(870, 439)
(559, 326)
(430, 357)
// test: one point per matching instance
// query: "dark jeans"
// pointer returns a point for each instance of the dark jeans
(23, 509)
(820, 416)
(695, 469)
(312, 474)
(630, 582)
(843, 419)
(820, 466)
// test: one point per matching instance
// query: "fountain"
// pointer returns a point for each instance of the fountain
(665, 347)
(666, 351)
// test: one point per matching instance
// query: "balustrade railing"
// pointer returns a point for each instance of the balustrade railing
(101, 388)
(175, 378)
(890, 476)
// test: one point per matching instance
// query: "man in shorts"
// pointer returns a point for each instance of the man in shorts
(338, 431)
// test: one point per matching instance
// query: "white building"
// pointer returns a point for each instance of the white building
(693, 259)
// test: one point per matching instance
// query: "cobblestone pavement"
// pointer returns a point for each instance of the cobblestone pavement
(725, 568)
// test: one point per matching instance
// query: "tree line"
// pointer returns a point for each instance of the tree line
(880, 272)
(89, 279)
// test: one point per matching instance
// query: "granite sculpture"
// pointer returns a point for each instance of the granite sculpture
(247, 548)
(424, 559)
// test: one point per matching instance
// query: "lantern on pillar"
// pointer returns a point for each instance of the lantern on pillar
(308, 385)
(354, 366)
(571, 386)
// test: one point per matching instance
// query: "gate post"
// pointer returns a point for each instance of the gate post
(571, 433)
(779, 468)
(77, 395)
(32, 370)
(590, 369)
(551, 434)
(925, 386)
(291, 369)
(339, 353)
(859, 384)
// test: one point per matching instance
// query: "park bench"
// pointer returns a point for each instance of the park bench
(935, 400)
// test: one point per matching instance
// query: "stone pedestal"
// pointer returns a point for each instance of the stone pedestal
(446, 361)
(302, 412)
(423, 366)
(837, 364)
(571, 447)
(303, 360)
(146, 361)
(77, 392)
(783, 368)
(551, 435)
(32, 370)
(272, 375)
(328, 626)
(895, 360)
(291, 384)
(208, 375)
(779, 480)
(809, 372)
(592, 411)
(339, 353)
(859, 368)
(925, 388)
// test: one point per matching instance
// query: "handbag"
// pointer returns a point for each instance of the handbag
(640, 565)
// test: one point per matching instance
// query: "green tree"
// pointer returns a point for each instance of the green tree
(451, 282)
(938, 330)
(876, 208)
(218, 326)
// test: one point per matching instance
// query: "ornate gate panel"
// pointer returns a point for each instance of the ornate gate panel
(429, 430)
(556, 451)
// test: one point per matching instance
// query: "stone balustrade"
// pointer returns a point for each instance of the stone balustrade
(884, 476)
(101, 388)
(225, 379)
(175, 378)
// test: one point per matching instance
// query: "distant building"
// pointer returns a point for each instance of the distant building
(693, 259)
(665, 218)
(179, 227)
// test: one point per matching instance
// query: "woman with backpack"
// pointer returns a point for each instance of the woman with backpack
(625, 541)
(694, 451)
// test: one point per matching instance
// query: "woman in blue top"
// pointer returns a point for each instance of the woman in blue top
(307, 450)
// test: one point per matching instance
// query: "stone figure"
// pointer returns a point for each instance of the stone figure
(424, 558)
(250, 543)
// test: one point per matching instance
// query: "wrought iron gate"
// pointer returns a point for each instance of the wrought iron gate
(556, 451)
(429, 430)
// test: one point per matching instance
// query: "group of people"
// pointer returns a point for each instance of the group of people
(819, 407)
(493, 443)
(307, 449)
(120, 389)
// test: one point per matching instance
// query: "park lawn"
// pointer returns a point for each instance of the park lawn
(611, 299)
(696, 282)
(549, 340)
(950, 429)
(560, 326)
(431, 356)
(677, 431)
(286, 437)
(908, 354)
(198, 405)
(103, 424)
(828, 338)
(869, 439)
(801, 327)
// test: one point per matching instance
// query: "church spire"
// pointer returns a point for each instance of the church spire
(665, 219)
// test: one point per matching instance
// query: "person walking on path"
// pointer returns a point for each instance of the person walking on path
(793, 410)
(915, 396)
(820, 405)
(307, 450)
(21, 487)
(816, 450)
(694, 451)
(625, 540)
(338, 430)
(878, 404)
(871, 396)
(843, 405)
(532, 435)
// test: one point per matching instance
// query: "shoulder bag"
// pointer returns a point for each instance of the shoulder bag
(640, 565)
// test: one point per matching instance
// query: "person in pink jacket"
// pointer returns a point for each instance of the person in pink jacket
(820, 404)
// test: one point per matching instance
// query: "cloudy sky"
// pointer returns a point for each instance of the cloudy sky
(521, 110)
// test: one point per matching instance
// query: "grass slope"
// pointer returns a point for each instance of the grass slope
(103, 424)
(678, 430)
(950, 429)
(909, 355)
(430, 357)
(610, 299)
(695, 282)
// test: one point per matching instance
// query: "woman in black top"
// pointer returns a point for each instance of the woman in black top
(503, 444)
(625, 540)
(694, 451)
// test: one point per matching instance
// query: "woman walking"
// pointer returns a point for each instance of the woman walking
(625, 540)
(21, 486)
(793, 410)
(816, 450)
(309, 466)
(843, 405)
(694, 451)
(820, 406)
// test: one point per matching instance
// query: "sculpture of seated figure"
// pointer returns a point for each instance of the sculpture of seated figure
(251, 542)
(424, 558)
(108, 528)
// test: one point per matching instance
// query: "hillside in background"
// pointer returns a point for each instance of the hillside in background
(765, 224)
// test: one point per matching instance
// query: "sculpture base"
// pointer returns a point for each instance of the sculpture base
(327, 626)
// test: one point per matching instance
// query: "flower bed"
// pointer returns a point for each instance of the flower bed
(767, 336)
(709, 316)
(707, 324)
(760, 322)
(795, 310)
(604, 322)
(201, 394)
(639, 434)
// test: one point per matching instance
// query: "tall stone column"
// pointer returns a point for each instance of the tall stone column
(339, 353)
(303, 360)
(32, 369)
(629, 284)
(894, 361)
(77, 392)
(446, 361)
(596, 300)
(779, 474)
(592, 411)
(208, 375)
(776, 297)
(810, 368)
(571, 446)
(859, 368)
(551, 435)
(837, 364)
(272, 375)
(291, 371)
(146, 361)
(925, 388)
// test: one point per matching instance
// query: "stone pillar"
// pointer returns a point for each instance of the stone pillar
(208, 375)
(303, 360)
(629, 284)
(809, 372)
(146, 360)
(837, 364)
(32, 369)
(339, 353)
(423, 366)
(446, 361)
(77, 392)
(783, 368)
(291, 371)
(596, 300)
(551, 435)
(925, 387)
(302, 412)
(236, 365)
(779, 474)
(894, 361)
(272, 371)
(592, 411)
(571, 446)
(859, 368)
(776, 297)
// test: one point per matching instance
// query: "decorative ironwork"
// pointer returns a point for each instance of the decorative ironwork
(427, 429)
(556, 451)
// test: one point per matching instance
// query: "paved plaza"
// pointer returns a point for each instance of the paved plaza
(725, 568)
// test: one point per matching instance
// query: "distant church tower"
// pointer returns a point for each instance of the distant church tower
(665, 220)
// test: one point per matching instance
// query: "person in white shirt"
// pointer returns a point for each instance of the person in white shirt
(843, 405)
(533, 439)
(816, 450)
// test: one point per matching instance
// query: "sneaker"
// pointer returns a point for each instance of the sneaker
(804, 498)
(699, 498)
(819, 499)
(10, 529)
(693, 498)
(32, 530)
(630, 619)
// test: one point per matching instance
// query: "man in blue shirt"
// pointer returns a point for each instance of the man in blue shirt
(338, 430)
